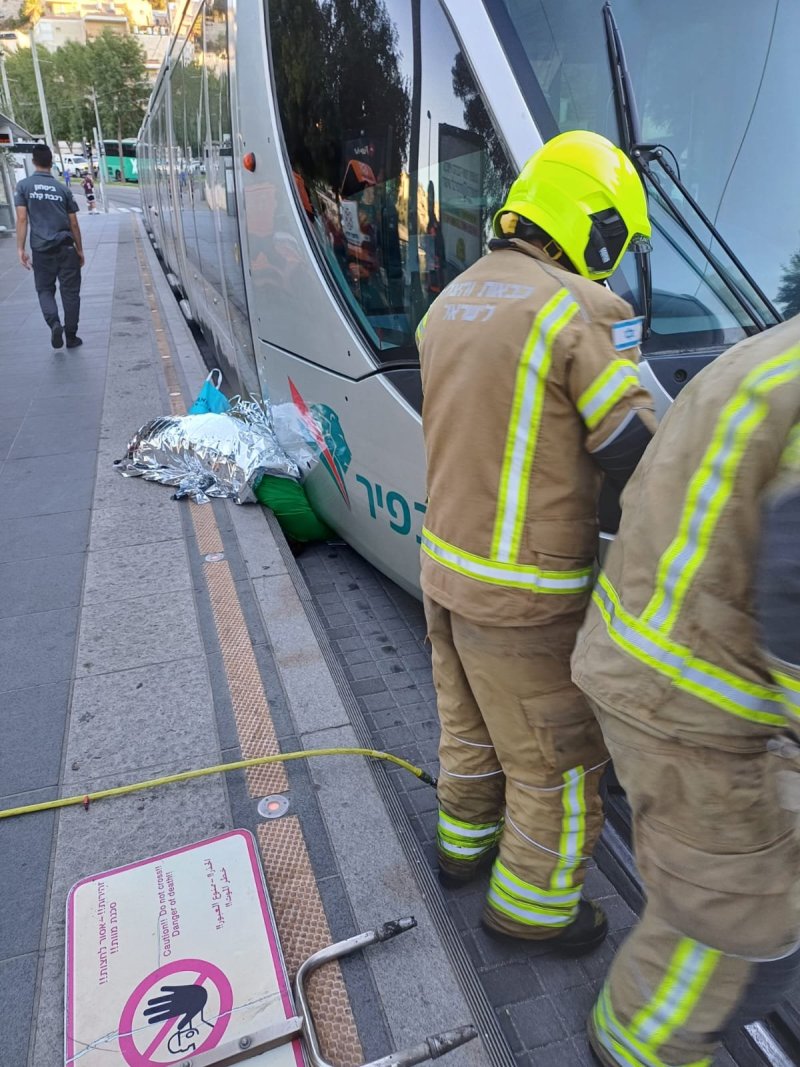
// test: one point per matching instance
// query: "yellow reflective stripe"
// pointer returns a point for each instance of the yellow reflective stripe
(711, 486)
(573, 829)
(467, 829)
(688, 972)
(527, 913)
(791, 454)
(621, 1043)
(523, 427)
(419, 333)
(704, 680)
(527, 891)
(513, 575)
(787, 682)
(607, 390)
(790, 691)
(465, 840)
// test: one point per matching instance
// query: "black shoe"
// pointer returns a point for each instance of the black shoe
(74, 341)
(57, 335)
(584, 933)
(452, 874)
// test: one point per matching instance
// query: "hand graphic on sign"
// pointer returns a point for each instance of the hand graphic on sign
(179, 1000)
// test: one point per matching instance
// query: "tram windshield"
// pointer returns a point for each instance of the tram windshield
(713, 83)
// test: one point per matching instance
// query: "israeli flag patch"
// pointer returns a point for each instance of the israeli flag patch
(627, 334)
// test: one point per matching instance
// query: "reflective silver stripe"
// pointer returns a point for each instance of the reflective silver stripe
(610, 1030)
(665, 1011)
(461, 831)
(536, 844)
(501, 573)
(573, 831)
(472, 744)
(460, 850)
(689, 674)
(452, 774)
(538, 918)
(719, 467)
(524, 425)
(618, 382)
(531, 892)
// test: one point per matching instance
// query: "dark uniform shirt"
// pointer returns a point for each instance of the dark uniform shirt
(49, 205)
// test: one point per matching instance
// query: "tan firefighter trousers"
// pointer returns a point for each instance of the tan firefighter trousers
(519, 742)
(719, 856)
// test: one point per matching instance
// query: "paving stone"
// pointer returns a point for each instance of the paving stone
(46, 435)
(510, 984)
(46, 485)
(160, 705)
(537, 1022)
(31, 537)
(50, 583)
(137, 523)
(18, 983)
(37, 649)
(25, 844)
(33, 723)
(115, 574)
(112, 640)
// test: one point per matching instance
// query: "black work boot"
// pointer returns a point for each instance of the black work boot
(455, 873)
(586, 931)
(74, 341)
(57, 335)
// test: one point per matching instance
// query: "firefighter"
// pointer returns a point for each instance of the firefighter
(531, 393)
(690, 655)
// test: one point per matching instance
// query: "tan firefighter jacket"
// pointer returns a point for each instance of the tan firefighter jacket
(671, 639)
(526, 369)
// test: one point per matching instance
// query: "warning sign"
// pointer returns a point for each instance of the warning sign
(173, 955)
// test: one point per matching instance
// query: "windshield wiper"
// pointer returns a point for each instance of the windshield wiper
(644, 157)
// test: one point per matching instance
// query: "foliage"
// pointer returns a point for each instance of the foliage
(112, 64)
(499, 176)
(29, 11)
(339, 70)
(789, 290)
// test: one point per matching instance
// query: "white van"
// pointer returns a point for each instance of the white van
(77, 165)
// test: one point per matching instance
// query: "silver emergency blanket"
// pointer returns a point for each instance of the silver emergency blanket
(207, 456)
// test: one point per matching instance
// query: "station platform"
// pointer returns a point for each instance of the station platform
(141, 637)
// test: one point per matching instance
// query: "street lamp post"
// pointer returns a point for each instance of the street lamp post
(6, 90)
(101, 161)
(48, 133)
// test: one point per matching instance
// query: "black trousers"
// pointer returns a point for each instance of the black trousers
(63, 266)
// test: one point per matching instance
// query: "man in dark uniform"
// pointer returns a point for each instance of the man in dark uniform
(56, 245)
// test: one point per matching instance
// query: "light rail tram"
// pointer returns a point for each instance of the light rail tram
(314, 173)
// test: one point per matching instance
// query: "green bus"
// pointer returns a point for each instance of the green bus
(113, 170)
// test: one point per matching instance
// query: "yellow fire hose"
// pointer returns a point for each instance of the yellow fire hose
(220, 768)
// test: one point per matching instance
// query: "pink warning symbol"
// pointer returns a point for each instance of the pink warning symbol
(184, 1007)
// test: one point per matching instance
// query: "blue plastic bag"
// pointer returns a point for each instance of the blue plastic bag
(210, 400)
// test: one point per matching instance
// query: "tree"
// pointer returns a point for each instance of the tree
(339, 75)
(498, 176)
(118, 77)
(112, 65)
(789, 290)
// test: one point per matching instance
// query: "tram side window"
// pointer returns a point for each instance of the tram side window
(396, 166)
(220, 179)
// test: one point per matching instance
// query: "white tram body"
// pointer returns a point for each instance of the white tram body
(314, 172)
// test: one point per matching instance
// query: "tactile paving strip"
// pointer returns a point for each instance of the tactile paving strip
(299, 913)
(293, 890)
